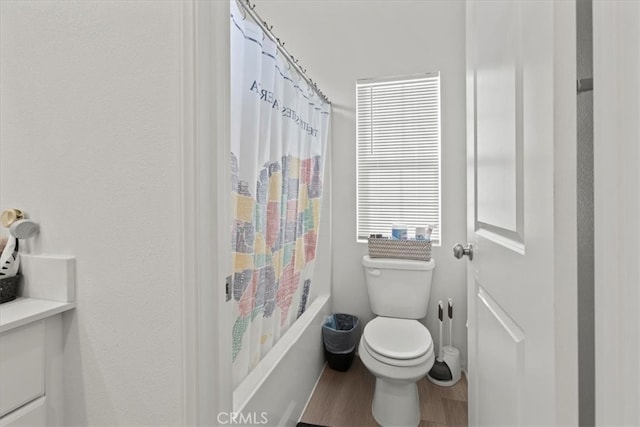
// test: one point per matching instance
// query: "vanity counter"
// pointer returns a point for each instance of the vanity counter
(26, 310)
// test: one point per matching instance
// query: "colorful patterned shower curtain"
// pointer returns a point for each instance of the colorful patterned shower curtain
(279, 132)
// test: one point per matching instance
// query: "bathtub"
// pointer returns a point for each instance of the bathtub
(276, 392)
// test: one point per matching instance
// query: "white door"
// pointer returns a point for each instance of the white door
(521, 193)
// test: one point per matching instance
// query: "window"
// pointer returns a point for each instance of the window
(398, 154)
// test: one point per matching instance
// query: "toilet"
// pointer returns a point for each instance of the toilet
(395, 347)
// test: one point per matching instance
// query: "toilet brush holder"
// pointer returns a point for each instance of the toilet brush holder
(450, 356)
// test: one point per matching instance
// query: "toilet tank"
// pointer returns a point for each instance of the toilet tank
(398, 287)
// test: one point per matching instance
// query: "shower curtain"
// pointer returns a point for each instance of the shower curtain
(279, 133)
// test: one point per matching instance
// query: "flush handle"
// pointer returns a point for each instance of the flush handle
(459, 251)
(374, 272)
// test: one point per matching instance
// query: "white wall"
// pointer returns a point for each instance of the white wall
(340, 42)
(616, 112)
(89, 148)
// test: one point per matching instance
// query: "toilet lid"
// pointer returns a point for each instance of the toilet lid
(397, 338)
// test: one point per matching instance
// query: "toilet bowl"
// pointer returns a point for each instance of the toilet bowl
(395, 347)
(398, 352)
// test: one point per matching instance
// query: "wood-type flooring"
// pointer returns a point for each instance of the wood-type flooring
(343, 399)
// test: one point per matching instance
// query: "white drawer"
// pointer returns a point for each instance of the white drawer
(21, 366)
(31, 415)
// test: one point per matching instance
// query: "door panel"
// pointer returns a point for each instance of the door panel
(501, 350)
(497, 88)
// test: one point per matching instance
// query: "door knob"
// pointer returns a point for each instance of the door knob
(459, 251)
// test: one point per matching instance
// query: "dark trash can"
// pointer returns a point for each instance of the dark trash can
(340, 335)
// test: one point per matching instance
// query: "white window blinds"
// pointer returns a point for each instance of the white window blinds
(398, 154)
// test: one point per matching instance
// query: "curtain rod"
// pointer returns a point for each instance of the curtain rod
(249, 8)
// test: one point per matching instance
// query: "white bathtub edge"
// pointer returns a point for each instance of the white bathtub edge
(249, 388)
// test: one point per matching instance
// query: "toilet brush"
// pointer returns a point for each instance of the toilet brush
(451, 354)
(440, 371)
(450, 313)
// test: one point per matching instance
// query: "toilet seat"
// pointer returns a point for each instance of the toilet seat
(397, 363)
(397, 342)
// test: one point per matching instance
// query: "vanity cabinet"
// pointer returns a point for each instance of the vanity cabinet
(31, 368)
(32, 345)
(21, 366)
